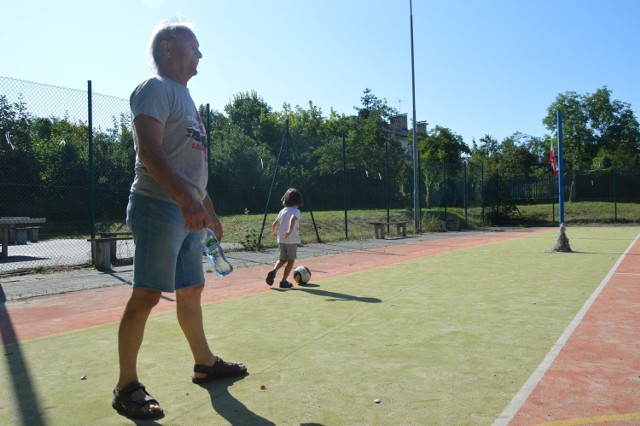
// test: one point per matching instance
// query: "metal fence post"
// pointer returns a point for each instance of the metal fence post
(464, 191)
(482, 190)
(208, 130)
(615, 195)
(92, 195)
(344, 185)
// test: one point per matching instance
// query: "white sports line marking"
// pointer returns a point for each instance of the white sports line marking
(520, 398)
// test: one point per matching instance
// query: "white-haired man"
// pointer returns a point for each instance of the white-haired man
(168, 209)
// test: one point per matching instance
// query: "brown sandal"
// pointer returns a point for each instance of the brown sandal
(124, 403)
(218, 370)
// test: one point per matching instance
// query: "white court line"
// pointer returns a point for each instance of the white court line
(520, 398)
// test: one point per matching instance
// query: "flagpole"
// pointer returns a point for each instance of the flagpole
(562, 243)
(560, 171)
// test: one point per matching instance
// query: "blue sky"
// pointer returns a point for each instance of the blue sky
(482, 66)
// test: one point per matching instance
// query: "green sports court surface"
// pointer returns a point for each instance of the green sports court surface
(460, 331)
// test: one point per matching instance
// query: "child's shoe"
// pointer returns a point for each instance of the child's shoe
(285, 284)
(270, 276)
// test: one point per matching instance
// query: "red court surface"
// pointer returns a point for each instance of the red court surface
(49, 315)
(595, 378)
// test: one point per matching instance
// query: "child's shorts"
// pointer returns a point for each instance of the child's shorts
(288, 251)
(167, 257)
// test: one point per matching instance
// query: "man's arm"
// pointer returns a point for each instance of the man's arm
(149, 134)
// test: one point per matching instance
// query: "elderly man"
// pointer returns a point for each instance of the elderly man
(167, 212)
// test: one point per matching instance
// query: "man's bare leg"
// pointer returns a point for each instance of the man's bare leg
(189, 311)
(130, 335)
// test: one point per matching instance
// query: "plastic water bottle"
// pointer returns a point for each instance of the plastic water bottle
(213, 250)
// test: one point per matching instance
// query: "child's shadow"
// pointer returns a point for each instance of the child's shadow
(332, 296)
(232, 410)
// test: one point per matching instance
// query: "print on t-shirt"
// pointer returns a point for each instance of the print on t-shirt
(196, 132)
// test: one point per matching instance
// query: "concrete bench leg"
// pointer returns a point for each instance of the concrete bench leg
(379, 231)
(32, 234)
(4, 231)
(402, 229)
(21, 236)
(453, 224)
(101, 254)
(114, 249)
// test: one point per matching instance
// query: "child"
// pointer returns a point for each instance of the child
(286, 229)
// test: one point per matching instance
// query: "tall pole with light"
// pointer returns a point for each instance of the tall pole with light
(416, 194)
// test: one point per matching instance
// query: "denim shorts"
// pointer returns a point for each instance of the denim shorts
(167, 257)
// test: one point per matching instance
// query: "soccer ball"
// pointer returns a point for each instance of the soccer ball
(302, 274)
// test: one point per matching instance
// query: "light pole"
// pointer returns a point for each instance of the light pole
(416, 194)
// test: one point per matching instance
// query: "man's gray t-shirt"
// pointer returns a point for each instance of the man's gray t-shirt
(184, 142)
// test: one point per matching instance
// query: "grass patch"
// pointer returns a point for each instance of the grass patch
(42, 270)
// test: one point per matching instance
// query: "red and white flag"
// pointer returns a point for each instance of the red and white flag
(554, 163)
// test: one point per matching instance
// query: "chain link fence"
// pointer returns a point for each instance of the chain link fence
(473, 194)
(67, 158)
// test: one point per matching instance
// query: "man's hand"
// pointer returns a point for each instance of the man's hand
(194, 214)
(216, 226)
(213, 222)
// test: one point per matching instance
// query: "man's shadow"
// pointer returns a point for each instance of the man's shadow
(232, 410)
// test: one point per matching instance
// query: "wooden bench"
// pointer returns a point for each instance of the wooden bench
(378, 228)
(104, 249)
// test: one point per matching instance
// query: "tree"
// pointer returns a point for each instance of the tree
(254, 117)
(597, 131)
(442, 145)
(330, 153)
(486, 155)
(18, 160)
(520, 156)
(308, 133)
(240, 172)
(372, 131)
(441, 153)
(375, 148)
(217, 120)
